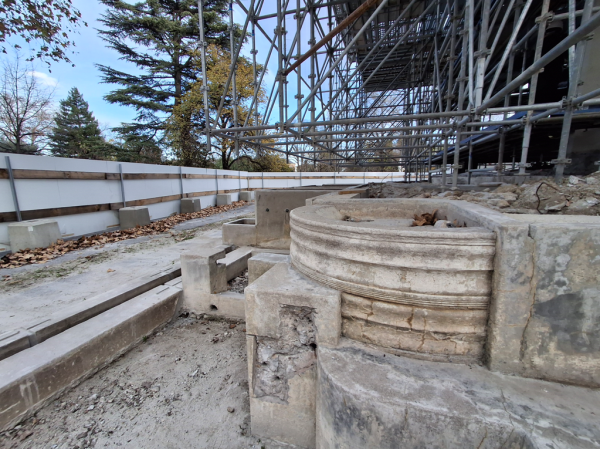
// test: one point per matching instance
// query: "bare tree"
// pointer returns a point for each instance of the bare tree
(25, 109)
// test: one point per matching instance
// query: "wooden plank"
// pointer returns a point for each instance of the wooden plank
(209, 176)
(6, 217)
(53, 174)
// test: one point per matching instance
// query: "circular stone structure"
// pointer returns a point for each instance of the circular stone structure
(417, 289)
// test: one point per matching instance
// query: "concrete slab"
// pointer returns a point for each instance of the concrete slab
(59, 321)
(190, 205)
(130, 217)
(427, 404)
(224, 199)
(33, 234)
(33, 377)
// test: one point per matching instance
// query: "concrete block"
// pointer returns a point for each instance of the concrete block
(130, 217)
(561, 341)
(284, 286)
(287, 317)
(201, 272)
(32, 378)
(259, 264)
(223, 199)
(230, 305)
(247, 196)
(273, 215)
(33, 234)
(368, 400)
(236, 262)
(190, 205)
(240, 232)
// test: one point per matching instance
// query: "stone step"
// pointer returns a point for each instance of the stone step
(13, 341)
(35, 376)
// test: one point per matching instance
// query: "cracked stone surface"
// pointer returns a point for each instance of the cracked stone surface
(281, 359)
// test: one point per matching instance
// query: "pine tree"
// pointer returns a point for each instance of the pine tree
(76, 132)
(160, 37)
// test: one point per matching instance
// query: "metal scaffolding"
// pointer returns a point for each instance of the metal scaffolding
(435, 87)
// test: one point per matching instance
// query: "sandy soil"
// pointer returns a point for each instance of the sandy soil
(184, 387)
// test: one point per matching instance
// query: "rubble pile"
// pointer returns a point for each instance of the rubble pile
(42, 255)
(574, 196)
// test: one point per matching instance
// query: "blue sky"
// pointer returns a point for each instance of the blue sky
(90, 49)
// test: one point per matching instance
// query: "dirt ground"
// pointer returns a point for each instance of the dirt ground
(183, 387)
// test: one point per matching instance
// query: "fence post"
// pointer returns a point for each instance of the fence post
(13, 188)
(217, 180)
(263, 179)
(122, 185)
(181, 180)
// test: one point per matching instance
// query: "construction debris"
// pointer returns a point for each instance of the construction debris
(43, 255)
(574, 196)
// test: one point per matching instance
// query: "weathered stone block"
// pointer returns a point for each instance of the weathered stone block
(31, 378)
(190, 205)
(263, 262)
(236, 262)
(223, 199)
(287, 317)
(247, 196)
(130, 217)
(33, 234)
(561, 341)
(368, 400)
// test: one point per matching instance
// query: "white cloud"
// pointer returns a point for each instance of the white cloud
(44, 79)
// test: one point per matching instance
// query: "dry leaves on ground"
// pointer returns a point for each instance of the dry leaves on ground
(425, 219)
(42, 255)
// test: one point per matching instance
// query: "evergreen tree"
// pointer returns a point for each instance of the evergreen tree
(76, 132)
(160, 37)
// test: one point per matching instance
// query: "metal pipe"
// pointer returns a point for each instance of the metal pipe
(558, 50)
(203, 46)
(342, 26)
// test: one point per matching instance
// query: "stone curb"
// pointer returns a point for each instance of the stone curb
(16, 340)
(32, 378)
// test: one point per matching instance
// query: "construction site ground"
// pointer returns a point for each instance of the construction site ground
(29, 293)
(183, 386)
